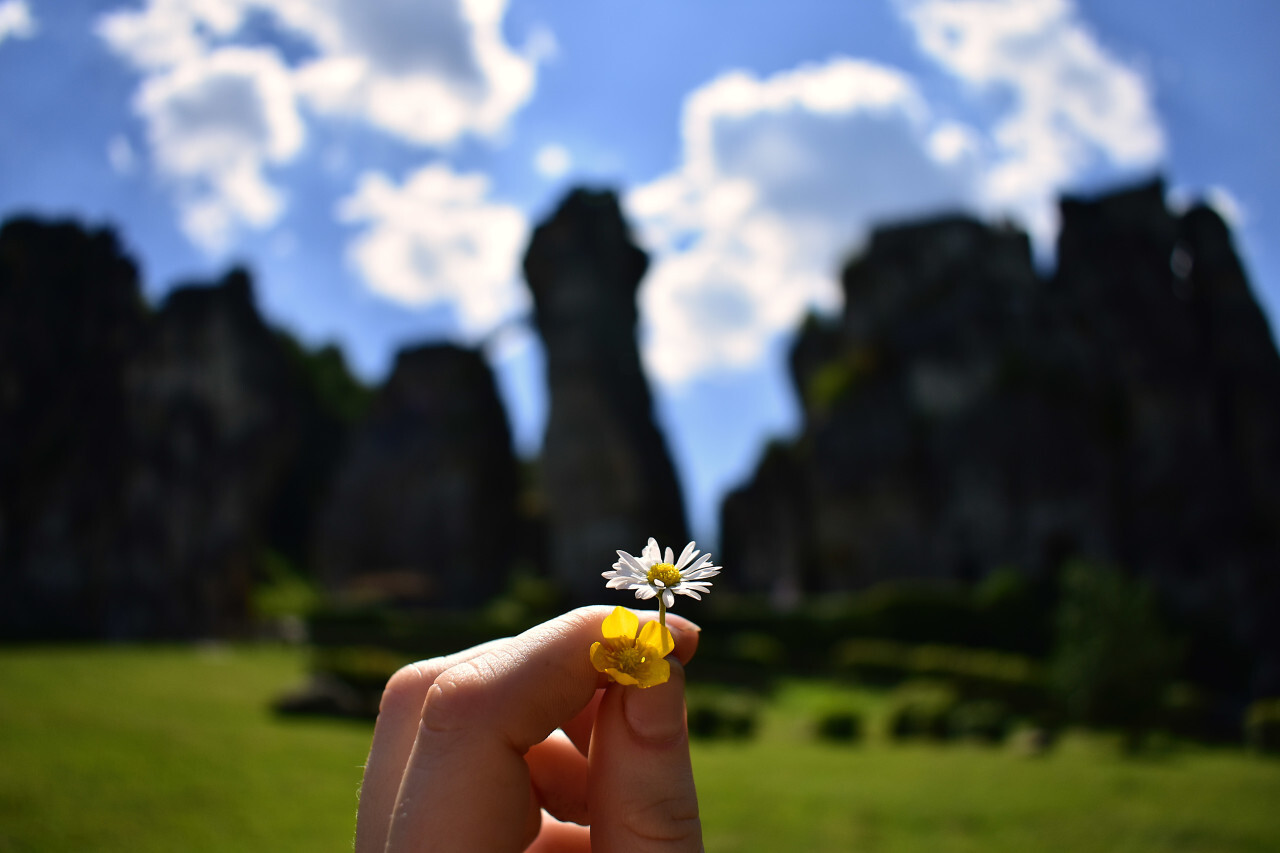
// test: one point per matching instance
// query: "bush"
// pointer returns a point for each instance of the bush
(1262, 725)
(1114, 660)
(922, 711)
(983, 720)
(722, 717)
(840, 726)
(1011, 679)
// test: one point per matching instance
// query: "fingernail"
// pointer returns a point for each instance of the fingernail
(656, 713)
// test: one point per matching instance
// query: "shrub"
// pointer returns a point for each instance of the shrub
(1114, 659)
(1262, 725)
(983, 720)
(722, 716)
(922, 711)
(840, 726)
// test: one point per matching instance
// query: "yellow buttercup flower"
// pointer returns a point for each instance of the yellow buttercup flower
(631, 658)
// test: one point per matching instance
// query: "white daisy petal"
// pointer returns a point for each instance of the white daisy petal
(686, 555)
(702, 561)
(690, 577)
(701, 573)
(633, 564)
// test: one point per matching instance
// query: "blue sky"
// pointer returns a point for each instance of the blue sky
(380, 163)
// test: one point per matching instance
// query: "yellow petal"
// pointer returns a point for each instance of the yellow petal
(622, 678)
(620, 623)
(655, 640)
(653, 671)
(600, 657)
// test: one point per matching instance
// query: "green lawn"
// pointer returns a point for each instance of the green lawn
(125, 749)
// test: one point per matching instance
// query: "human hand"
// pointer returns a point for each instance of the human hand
(470, 749)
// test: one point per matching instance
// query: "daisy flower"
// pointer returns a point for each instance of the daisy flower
(631, 658)
(649, 575)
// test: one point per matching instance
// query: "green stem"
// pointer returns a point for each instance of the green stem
(662, 612)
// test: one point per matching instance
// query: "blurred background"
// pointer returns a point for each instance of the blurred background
(338, 334)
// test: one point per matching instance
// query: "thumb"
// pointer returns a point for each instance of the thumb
(641, 792)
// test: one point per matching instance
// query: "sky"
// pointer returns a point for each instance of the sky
(380, 164)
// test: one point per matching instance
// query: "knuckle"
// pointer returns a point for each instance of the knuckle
(670, 820)
(406, 689)
(457, 698)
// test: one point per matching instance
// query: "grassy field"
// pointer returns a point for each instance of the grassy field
(109, 749)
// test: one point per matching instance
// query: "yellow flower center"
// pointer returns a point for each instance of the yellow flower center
(664, 572)
(629, 660)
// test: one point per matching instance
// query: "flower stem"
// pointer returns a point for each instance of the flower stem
(662, 612)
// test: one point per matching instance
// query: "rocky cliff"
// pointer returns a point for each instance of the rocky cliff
(607, 478)
(966, 413)
(145, 455)
(424, 506)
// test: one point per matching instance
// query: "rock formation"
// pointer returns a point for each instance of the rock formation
(607, 479)
(424, 507)
(144, 455)
(966, 414)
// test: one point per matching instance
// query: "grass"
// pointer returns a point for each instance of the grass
(119, 749)
(115, 749)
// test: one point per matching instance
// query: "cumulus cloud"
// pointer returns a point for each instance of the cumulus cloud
(437, 238)
(1074, 106)
(780, 177)
(213, 124)
(552, 161)
(220, 110)
(16, 20)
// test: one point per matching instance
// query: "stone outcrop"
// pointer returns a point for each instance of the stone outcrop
(145, 454)
(967, 414)
(607, 478)
(424, 507)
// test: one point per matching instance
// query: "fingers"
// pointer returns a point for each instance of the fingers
(557, 837)
(559, 775)
(466, 785)
(393, 735)
(640, 782)
(448, 769)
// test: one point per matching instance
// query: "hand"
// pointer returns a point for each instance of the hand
(470, 749)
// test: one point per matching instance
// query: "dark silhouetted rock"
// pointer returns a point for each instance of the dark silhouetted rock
(606, 475)
(965, 414)
(143, 456)
(424, 508)
(70, 319)
(213, 419)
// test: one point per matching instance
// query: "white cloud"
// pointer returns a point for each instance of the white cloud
(1074, 107)
(16, 20)
(780, 177)
(438, 239)
(552, 161)
(220, 110)
(214, 123)
(427, 72)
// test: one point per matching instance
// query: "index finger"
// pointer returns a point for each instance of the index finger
(466, 785)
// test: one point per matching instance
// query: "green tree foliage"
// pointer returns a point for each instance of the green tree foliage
(1114, 658)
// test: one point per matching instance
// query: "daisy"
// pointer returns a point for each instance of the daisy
(650, 575)
(631, 658)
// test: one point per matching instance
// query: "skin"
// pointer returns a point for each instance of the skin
(519, 744)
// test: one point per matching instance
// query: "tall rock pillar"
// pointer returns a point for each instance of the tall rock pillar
(606, 475)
